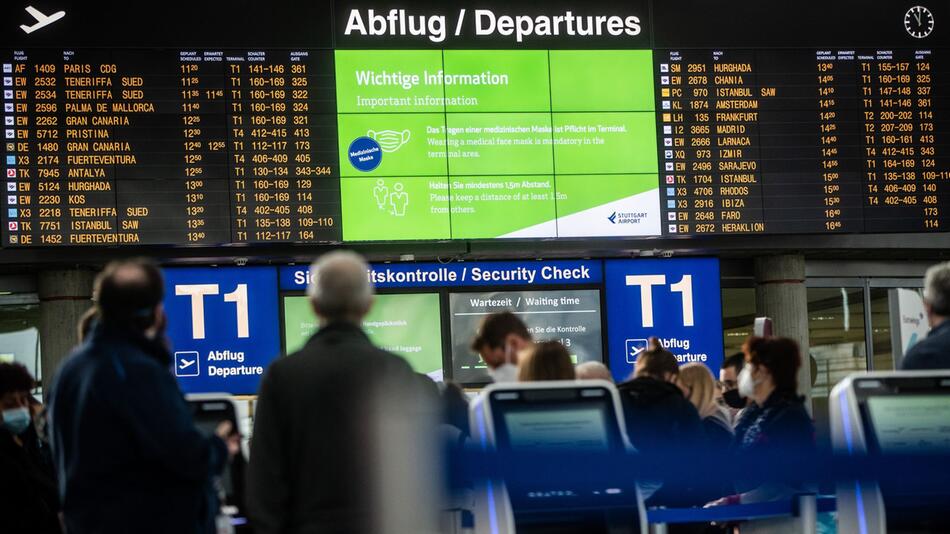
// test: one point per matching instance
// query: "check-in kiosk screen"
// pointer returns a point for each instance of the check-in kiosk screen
(562, 429)
(911, 424)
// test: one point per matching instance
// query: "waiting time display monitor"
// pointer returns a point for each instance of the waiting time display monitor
(571, 316)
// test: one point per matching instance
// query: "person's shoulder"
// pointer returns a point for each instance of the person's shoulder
(357, 353)
(84, 359)
(685, 408)
(793, 411)
(932, 352)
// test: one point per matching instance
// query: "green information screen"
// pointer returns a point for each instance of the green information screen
(480, 144)
(408, 325)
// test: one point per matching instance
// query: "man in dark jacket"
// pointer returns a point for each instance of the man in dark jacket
(659, 418)
(657, 415)
(127, 452)
(315, 428)
(933, 352)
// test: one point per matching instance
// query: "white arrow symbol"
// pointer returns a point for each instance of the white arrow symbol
(42, 20)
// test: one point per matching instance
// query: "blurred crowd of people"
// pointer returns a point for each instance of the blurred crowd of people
(117, 450)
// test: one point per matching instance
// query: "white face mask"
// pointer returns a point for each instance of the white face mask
(506, 372)
(746, 383)
(390, 140)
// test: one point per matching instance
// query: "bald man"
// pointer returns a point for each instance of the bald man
(123, 438)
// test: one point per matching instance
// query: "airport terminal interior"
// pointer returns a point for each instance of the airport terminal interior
(489, 267)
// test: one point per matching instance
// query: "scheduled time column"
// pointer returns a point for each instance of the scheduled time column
(178, 191)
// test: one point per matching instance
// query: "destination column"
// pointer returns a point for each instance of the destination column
(91, 87)
(736, 116)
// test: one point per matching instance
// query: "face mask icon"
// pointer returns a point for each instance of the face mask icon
(389, 140)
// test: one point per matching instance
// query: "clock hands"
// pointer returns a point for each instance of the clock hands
(917, 16)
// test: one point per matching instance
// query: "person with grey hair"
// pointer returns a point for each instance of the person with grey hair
(933, 352)
(309, 469)
(593, 371)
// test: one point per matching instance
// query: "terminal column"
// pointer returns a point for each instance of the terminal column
(64, 296)
(780, 294)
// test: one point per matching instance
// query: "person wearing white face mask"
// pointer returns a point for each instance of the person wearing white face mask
(501, 337)
(31, 503)
(776, 423)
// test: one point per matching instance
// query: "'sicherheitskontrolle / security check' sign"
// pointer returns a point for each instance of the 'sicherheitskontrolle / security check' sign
(222, 323)
(676, 300)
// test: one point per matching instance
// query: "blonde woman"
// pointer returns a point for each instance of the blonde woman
(700, 388)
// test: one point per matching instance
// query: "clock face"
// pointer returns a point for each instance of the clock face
(919, 22)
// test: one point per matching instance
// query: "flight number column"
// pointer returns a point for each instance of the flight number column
(32, 157)
(282, 144)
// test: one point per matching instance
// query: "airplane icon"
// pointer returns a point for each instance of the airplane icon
(186, 363)
(42, 20)
(634, 347)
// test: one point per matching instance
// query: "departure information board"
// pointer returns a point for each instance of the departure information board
(153, 147)
(351, 121)
(804, 141)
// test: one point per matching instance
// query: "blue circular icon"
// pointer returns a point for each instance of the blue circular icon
(365, 154)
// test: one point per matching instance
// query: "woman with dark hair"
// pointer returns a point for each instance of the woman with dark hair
(775, 424)
(769, 380)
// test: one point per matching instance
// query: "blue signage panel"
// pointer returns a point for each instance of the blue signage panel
(223, 326)
(488, 273)
(676, 300)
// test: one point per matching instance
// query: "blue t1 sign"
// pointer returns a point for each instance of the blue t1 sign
(676, 300)
(223, 326)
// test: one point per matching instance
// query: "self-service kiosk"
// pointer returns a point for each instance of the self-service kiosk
(881, 414)
(210, 410)
(552, 417)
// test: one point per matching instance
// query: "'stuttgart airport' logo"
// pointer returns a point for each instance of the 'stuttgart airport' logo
(629, 217)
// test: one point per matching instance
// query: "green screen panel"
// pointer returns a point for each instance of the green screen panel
(409, 325)
(386, 209)
(590, 143)
(299, 323)
(497, 80)
(608, 205)
(499, 143)
(496, 133)
(412, 144)
(488, 207)
(602, 80)
(394, 89)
